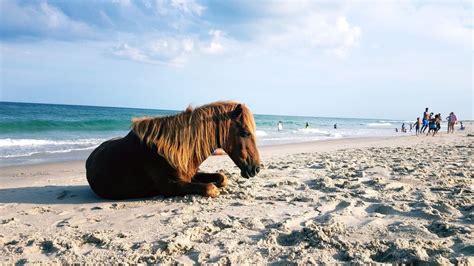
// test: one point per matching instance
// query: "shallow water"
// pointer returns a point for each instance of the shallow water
(49, 132)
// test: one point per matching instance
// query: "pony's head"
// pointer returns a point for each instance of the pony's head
(190, 137)
(240, 144)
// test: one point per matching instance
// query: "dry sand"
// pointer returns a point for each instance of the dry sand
(392, 200)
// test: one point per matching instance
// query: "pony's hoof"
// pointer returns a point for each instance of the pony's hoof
(223, 182)
(212, 191)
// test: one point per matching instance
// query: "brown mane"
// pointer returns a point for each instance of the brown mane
(190, 136)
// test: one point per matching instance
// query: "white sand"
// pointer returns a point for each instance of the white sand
(407, 199)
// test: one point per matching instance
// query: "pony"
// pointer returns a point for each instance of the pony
(161, 155)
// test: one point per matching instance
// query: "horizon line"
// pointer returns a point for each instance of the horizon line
(144, 108)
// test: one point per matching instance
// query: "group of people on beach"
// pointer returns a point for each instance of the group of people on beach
(432, 123)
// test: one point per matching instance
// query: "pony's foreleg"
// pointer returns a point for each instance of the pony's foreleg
(220, 180)
(181, 188)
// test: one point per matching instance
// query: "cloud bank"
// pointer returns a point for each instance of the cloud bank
(171, 32)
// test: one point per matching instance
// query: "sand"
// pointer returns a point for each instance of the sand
(386, 200)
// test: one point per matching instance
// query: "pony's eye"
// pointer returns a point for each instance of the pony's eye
(244, 133)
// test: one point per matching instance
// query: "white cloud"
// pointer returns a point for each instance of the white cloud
(308, 33)
(187, 6)
(174, 51)
(41, 19)
(164, 51)
(169, 7)
(297, 30)
(126, 51)
(215, 45)
(437, 21)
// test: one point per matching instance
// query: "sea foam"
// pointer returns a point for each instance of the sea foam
(382, 124)
(8, 142)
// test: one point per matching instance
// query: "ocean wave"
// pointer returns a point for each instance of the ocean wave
(381, 124)
(49, 125)
(11, 148)
(311, 131)
(261, 133)
(403, 121)
(46, 152)
(9, 143)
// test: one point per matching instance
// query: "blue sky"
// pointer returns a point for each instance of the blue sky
(384, 59)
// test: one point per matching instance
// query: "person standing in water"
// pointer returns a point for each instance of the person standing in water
(437, 123)
(307, 125)
(335, 126)
(417, 125)
(452, 119)
(431, 124)
(426, 120)
(280, 126)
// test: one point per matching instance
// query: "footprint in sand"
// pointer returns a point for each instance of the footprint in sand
(63, 223)
(445, 229)
(7, 221)
(47, 246)
(382, 209)
(146, 216)
(39, 210)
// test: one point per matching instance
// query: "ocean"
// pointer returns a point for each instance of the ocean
(36, 133)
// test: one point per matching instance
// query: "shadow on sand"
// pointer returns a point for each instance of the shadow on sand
(50, 195)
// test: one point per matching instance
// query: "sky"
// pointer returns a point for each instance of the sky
(366, 59)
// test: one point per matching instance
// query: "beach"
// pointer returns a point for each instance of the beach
(368, 200)
(318, 103)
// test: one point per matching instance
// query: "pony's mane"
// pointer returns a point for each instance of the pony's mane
(190, 137)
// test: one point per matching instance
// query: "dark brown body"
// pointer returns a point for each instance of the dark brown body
(126, 168)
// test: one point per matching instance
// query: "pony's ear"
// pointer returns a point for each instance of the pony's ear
(189, 109)
(237, 113)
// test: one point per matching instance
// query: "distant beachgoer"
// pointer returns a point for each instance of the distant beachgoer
(431, 125)
(426, 120)
(280, 125)
(452, 120)
(430, 119)
(438, 123)
(307, 125)
(434, 124)
(404, 130)
(335, 126)
(417, 125)
(396, 129)
(411, 127)
(462, 126)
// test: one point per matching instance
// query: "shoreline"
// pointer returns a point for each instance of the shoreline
(317, 145)
(308, 146)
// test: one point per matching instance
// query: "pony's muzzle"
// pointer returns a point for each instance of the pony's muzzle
(250, 171)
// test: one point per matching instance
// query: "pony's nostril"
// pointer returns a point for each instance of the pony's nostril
(257, 169)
